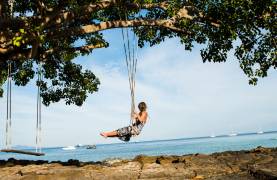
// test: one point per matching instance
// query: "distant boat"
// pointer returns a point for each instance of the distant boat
(91, 147)
(212, 136)
(69, 148)
(260, 132)
(79, 145)
(233, 134)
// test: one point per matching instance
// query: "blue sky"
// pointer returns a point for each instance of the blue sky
(186, 98)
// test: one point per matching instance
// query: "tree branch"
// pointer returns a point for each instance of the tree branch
(85, 48)
(184, 13)
(59, 17)
(29, 53)
(87, 9)
(3, 51)
(169, 24)
(56, 17)
(162, 5)
(62, 17)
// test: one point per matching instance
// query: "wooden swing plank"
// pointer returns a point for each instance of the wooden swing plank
(22, 152)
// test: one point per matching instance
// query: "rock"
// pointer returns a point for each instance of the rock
(259, 163)
(198, 177)
(72, 162)
(261, 149)
(266, 174)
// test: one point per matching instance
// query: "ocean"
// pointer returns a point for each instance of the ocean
(129, 150)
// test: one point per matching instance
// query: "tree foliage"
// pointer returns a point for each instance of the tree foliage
(46, 32)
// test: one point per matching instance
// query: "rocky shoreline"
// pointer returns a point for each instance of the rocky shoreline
(259, 163)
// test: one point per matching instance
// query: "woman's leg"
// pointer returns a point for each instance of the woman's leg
(109, 134)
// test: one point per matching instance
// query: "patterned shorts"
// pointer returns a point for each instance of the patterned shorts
(127, 132)
(124, 131)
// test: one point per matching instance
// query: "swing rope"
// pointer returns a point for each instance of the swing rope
(38, 123)
(9, 102)
(8, 141)
(131, 56)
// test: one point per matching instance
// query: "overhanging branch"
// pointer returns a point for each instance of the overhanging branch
(30, 54)
(169, 24)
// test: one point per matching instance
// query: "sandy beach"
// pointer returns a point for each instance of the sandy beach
(258, 163)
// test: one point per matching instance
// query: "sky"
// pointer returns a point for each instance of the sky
(185, 98)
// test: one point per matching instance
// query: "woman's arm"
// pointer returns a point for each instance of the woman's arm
(143, 116)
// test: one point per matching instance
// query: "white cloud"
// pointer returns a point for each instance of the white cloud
(185, 98)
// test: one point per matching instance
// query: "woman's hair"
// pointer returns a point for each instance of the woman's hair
(142, 106)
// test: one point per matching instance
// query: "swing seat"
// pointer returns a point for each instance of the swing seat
(22, 152)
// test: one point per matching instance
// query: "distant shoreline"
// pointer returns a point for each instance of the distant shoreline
(206, 137)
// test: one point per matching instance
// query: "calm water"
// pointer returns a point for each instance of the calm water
(166, 147)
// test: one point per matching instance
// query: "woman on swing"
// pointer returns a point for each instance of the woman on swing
(125, 133)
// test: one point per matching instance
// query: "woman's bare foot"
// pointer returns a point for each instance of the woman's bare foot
(103, 134)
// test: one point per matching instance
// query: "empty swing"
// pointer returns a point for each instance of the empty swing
(8, 134)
